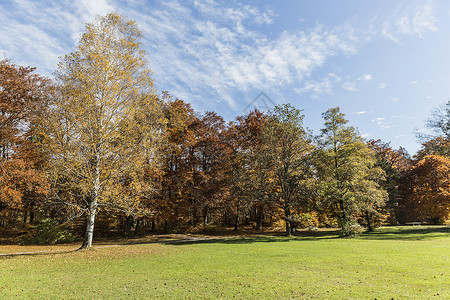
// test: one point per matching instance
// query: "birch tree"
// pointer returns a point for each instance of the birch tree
(103, 121)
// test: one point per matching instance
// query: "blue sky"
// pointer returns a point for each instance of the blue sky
(384, 62)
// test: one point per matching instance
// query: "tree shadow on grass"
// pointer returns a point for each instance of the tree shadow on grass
(36, 253)
(303, 236)
(408, 233)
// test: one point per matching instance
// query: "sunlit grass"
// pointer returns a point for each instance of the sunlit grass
(405, 263)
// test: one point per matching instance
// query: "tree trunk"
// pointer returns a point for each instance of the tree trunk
(153, 225)
(369, 222)
(31, 216)
(236, 223)
(287, 216)
(259, 217)
(205, 215)
(128, 224)
(138, 226)
(87, 243)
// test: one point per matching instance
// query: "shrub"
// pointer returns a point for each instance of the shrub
(351, 230)
(48, 231)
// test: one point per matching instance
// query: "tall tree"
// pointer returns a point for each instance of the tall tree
(349, 182)
(173, 205)
(394, 162)
(247, 177)
(22, 94)
(425, 191)
(288, 149)
(207, 161)
(437, 140)
(259, 177)
(104, 120)
(436, 146)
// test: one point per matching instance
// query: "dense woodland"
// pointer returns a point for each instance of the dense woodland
(97, 147)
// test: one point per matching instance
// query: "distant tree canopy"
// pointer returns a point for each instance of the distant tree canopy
(99, 143)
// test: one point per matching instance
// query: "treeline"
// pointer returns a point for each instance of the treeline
(98, 143)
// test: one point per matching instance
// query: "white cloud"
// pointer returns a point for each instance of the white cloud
(394, 99)
(411, 21)
(334, 77)
(215, 50)
(413, 82)
(361, 112)
(365, 77)
(205, 51)
(383, 123)
(378, 119)
(382, 85)
(366, 135)
(39, 32)
(316, 88)
(350, 86)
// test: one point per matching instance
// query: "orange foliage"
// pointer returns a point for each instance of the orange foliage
(21, 95)
(425, 191)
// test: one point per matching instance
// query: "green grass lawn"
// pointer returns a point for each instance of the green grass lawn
(393, 262)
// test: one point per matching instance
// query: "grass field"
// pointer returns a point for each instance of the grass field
(393, 262)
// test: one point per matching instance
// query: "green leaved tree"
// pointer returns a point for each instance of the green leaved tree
(349, 181)
(288, 150)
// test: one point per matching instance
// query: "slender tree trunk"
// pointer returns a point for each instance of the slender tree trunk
(259, 217)
(87, 243)
(138, 226)
(236, 223)
(205, 215)
(153, 225)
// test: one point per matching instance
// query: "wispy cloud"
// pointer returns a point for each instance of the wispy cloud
(315, 88)
(416, 20)
(39, 32)
(382, 85)
(414, 82)
(383, 123)
(361, 112)
(365, 77)
(206, 51)
(350, 86)
(217, 51)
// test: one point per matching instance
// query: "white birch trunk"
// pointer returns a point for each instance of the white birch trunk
(87, 243)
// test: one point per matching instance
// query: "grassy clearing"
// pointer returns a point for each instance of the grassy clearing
(399, 263)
